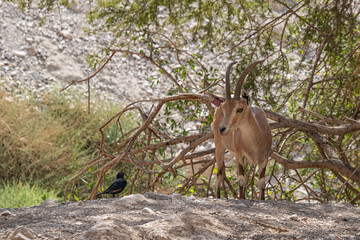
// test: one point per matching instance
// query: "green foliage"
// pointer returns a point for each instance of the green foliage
(18, 194)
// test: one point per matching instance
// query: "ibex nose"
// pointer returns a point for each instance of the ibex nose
(222, 129)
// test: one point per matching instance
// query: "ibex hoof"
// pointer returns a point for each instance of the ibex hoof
(261, 183)
(242, 181)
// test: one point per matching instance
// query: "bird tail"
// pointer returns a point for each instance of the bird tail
(100, 194)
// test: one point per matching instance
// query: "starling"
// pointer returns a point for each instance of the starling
(117, 187)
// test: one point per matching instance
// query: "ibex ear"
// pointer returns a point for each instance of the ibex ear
(245, 96)
(217, 100)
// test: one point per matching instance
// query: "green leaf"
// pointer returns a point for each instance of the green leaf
(75, 197)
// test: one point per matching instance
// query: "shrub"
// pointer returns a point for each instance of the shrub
(45, 140)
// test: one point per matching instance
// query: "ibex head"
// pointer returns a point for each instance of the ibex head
(235, 109)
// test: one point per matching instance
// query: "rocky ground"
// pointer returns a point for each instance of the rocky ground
(156, 216)
(35, 55)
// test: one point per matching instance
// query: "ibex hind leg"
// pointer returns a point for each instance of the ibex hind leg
(261, 183)
(223, 182)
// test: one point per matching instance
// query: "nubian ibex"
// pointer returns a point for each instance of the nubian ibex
(244, 131)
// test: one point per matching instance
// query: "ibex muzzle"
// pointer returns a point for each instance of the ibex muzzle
(244, 131)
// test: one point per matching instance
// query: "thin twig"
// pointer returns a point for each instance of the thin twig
(93, 75)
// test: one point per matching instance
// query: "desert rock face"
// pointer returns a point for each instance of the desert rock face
(156, 216)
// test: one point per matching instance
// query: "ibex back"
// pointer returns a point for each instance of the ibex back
(244, 131)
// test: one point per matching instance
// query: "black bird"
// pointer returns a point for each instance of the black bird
(117, 187)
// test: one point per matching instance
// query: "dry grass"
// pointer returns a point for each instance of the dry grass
(46, 141)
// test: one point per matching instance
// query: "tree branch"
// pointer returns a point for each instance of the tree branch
(313, 127)
(334, 166)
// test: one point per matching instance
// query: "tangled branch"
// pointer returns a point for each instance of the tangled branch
(312, 151)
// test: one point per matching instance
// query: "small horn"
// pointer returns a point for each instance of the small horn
(242, 79)
(227, 81)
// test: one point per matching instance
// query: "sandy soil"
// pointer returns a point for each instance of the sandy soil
(156, 216)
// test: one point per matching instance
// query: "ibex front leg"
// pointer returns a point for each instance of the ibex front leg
(241, 166)
(219, 153)
(220, 176)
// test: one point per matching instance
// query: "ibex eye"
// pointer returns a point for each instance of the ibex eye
(239, 110)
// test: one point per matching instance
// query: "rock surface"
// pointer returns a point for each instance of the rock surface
(156, 216)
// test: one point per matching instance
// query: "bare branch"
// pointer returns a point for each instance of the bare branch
(311, 79)
(313, 127)
(93, 75)
(181, 89)
(334, 166)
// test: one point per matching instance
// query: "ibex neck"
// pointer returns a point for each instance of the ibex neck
(250, 123)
